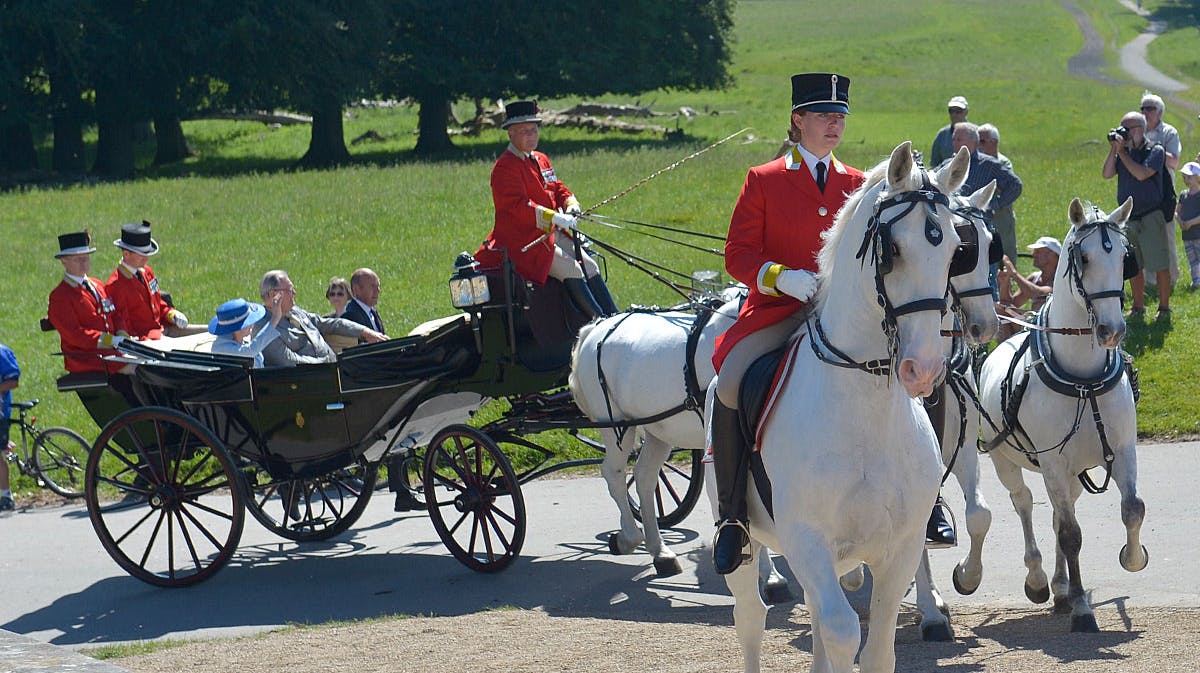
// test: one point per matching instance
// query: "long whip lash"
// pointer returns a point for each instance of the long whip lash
(643, 181)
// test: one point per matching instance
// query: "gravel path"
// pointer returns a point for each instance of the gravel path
(998, 641)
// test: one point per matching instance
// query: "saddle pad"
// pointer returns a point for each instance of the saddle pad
(760, 388)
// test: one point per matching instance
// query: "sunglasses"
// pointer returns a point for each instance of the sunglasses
(1149, 108)
(338, 293)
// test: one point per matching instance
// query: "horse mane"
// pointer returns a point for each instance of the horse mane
(874, 182)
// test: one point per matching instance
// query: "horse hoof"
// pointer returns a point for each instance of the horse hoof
(1037, 595)
(854, 580)
(937, 632)
(1127, 564)
(614, 544)
(961, 588)
(1084, 624)
(667, 567)
(776, 593)
(1062, 605)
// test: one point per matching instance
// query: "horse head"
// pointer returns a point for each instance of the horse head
(907, 242)
(1094, 266)
(978, 249)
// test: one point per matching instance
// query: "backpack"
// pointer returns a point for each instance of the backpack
(1167, 205)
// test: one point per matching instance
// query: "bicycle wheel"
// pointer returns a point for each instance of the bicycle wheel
(59, 458)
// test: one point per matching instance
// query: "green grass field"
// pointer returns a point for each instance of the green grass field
(234, 211)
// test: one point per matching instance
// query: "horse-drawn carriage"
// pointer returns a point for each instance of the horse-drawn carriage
(191, 440)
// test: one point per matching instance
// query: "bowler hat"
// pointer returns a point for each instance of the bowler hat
(821, 92)
(136, 238)
(520, 111)
(77, 243)
(234, 315)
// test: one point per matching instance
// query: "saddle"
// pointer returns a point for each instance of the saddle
(758, 386)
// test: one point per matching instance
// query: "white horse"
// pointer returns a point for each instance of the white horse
(850, 452)
(1077, 411)
(974, 322)
(643, 358)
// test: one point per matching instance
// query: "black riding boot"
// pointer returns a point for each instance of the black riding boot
(578, 290)
(939, 531)
(603, 297)
(730, 462)
(399, 485)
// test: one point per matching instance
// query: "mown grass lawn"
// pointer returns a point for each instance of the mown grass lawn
(234, 211)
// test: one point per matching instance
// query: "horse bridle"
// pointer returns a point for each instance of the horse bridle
(878, 237)
(1075, 262)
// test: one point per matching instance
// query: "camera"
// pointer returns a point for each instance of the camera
(1119, 133)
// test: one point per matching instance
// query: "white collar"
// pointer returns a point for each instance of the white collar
(366, 309)
(808, 159)
(518, 152)
(132, 271)
(77, 279)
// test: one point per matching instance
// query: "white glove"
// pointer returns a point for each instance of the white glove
(573, 208)
(109, 341)
(797, 283)
(179, 319)
(564, 221)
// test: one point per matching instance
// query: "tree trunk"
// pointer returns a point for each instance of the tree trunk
(114, 150)
(68, 125)
(432, 137)
(114, 144)
(327, 145)
(17, 152)
(170, 143)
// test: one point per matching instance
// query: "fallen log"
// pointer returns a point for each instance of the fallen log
(281, 118)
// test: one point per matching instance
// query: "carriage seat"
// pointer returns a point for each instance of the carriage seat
(429, 327)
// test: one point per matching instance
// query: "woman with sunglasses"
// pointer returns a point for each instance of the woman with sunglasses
(338, 294)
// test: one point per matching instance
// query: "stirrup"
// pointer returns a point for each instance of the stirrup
(941, 539)
(742, 556)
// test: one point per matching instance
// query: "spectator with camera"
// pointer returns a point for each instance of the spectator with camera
(1159, 131)
(1139, 167)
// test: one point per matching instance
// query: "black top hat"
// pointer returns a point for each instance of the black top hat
(520, 111)
(821, 92)
(136, 238)
(78, 243)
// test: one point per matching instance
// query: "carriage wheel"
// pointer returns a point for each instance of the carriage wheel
(59, 455)
(306, 510)
(474, 498)
(169, 509)
(678, 490)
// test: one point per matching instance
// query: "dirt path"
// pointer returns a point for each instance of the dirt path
(998, 641)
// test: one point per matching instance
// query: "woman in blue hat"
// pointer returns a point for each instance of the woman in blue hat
(235, 320)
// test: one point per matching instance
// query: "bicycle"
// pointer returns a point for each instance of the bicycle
(56, 457)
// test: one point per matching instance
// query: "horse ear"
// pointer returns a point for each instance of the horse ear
(983, 196)
(1121, 214)
(1075, 212)
(954, 175)
(900, 167)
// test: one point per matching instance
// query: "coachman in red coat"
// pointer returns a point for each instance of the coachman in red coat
(531, 205)
(81, 311)
(134, 288)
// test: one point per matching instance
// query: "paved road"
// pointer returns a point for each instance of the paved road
(59, 586)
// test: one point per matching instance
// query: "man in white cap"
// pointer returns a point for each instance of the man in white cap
(943, 143)
(1034, 288)
(1159, 131)
(134, 288)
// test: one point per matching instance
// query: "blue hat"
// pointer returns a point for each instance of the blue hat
(234, 315)
(821, 92)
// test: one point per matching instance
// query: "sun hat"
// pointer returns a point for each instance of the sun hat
(76, 243)
(1047, 242)
(958, 102)
(234, 315)
(1190, 168)
(135, 237)
(821, 92)
(520, 111)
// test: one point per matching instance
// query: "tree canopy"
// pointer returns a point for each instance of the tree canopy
(119, 64)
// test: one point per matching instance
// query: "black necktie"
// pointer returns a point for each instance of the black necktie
(378, 323)
(95, 295)
(821, 176)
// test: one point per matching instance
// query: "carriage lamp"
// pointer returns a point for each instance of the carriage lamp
(468, 286)
(706, 282)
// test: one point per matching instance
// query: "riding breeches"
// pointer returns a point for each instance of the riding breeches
(750, 348)
(564, 265)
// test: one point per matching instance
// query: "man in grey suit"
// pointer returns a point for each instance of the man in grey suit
(364, 288)
(301, 334)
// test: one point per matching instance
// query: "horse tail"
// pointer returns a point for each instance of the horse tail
(577, 385)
